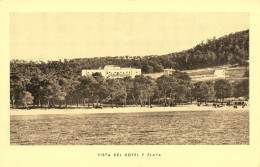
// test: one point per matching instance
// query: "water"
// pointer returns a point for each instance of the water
(157, 128)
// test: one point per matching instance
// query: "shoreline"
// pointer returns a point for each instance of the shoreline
(20, 112)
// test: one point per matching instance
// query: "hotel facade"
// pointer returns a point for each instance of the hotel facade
(113, 72)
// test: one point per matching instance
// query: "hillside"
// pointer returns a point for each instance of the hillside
(206, 74)
(229, 49)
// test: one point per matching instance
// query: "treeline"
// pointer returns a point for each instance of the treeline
(48, 90)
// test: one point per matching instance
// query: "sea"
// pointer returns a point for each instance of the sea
(144, 128)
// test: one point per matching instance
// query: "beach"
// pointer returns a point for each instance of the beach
(137, 109)
(131, 126)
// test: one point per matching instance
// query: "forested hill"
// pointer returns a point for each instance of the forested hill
(60, 82)
(229, 49)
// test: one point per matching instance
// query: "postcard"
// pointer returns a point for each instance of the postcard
(89, 85)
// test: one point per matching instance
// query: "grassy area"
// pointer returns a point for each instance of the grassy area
(206, 72)
(236, 73)
(154, 75)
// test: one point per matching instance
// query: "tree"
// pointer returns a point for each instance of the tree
(158, 68)
(34, 87)
(210, 92)
(143, 87)
(173, 88)
(116, 92)
(204, 91)
(223, 89)
(100, 88)
(60, 93)
(147, 69)
(16, 87)
(72, 94)
(128, 84)
(180, 92)
(48, 90)
(181, 75)
(26, 98)
(180, 86)
(164, 84)
(241, 89)
(86, 89)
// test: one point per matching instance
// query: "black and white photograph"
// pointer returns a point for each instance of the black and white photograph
(157, 78)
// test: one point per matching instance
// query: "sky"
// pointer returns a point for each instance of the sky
(54, 36)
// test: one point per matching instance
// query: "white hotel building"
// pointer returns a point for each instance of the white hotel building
(111, 71)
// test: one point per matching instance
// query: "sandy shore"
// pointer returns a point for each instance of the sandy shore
(121, 110)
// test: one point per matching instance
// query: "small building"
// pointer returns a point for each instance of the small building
(220, 73)
(168, 71)
(113, 72)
